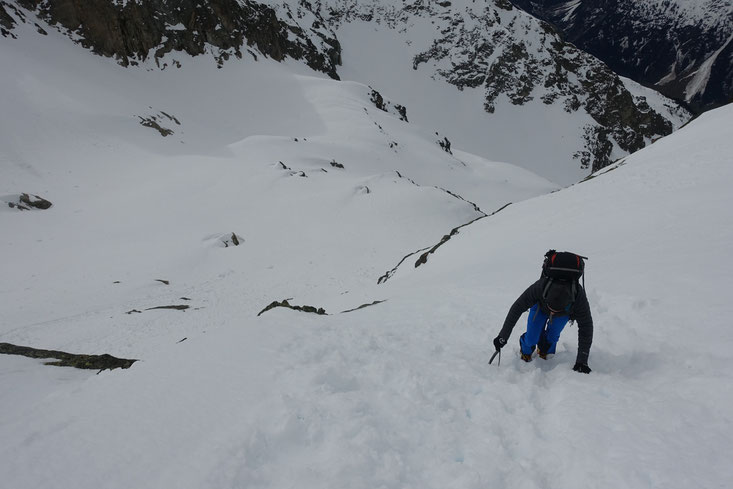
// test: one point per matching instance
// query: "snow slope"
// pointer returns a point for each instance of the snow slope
(232, 164)
(395, 395)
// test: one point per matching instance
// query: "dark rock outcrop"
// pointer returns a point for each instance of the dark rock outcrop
(387, 106)
(154, 122)
(26, 202)
(445, 145)
(6, 21)
(35, 202)
(137, 30)
(63, 359)
(363, 306)
(182, 307)
(286, 304)
(233, 240)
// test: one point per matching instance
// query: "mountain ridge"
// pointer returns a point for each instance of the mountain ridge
(133, 31)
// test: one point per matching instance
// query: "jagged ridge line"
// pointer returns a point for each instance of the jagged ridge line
(424, 257)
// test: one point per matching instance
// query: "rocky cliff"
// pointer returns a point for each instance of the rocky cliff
(683, 49)
(136, 30)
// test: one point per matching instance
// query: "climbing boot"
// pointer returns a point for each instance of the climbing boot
(527, 357)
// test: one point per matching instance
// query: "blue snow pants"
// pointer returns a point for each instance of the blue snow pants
(542, 330)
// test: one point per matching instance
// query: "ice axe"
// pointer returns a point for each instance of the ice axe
(497, 352)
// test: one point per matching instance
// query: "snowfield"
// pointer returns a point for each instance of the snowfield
(394, 395)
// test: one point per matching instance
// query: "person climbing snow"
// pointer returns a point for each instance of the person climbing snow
(552, 300)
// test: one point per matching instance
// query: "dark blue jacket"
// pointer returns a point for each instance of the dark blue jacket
(579, 311)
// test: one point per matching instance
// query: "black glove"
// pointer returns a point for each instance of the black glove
(582, 368)
(499, 342)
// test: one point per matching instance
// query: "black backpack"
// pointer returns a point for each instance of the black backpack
(563, 271)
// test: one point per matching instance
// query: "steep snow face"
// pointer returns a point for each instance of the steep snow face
(680, 47)
(700, 79)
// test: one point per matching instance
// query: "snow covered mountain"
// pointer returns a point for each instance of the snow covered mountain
(485, 75)
(169, 217)
(519, 82)
(397, 394)
(682, 48)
